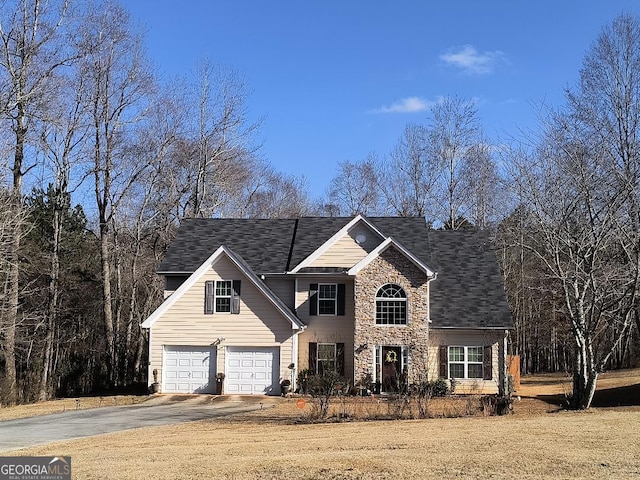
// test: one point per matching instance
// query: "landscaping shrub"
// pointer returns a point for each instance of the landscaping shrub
(303, 379)
(322, 387)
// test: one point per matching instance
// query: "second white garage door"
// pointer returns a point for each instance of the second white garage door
(251, 370)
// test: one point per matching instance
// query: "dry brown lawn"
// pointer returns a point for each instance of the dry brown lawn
(538, 441)
(66, 404)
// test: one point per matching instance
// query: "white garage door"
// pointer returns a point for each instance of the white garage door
(252, 370)
(189, 369)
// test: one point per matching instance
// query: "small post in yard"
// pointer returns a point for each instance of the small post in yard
(220, 383)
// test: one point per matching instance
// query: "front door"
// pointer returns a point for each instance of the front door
(391, 369)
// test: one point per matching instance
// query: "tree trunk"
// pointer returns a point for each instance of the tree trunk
(106, 302)
(585, 377)
(53, 302)
(10, 386)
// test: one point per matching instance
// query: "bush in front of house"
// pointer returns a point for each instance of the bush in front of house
(302, 381)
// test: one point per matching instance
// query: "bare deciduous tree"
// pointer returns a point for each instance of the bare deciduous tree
(607, 106)
(119, 79)
(577, 224)
(62, 141)
(31, 50)
(217, 152)
(453, 133)
(354, 189)
(282, 196)
(483, 198)
(409, 177)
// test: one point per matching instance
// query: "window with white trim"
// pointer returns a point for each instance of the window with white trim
(466, 362)
(327, 298)
(326, 357)
(391, 305)
(223, 296)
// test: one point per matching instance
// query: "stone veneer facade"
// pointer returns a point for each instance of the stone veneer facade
(391, 267)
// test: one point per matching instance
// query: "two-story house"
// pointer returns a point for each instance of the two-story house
(385, 299)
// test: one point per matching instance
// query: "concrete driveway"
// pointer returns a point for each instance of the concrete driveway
(27, 432)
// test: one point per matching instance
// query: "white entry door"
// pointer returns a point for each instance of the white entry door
(252, 370)
(189, 369)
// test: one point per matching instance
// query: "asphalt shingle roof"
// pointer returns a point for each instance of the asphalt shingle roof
(469, 290)
(467, 293)
(264, 244)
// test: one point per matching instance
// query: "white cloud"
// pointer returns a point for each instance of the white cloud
(469, 60)
(406, 105)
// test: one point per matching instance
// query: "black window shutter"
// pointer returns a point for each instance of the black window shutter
(209, 296)
(341, 296)
(313, 357)
(235, 297)
(340, 359)
(313, 299)
(444, 361)
(487, 364)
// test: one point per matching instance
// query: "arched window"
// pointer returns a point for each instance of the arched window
(391, 305)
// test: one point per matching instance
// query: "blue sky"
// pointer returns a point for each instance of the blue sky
(336, 80)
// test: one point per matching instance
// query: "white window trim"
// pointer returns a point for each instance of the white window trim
(385, 299)
(465, 362)
(216, 296)
(335, 300)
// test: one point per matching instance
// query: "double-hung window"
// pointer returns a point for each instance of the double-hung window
(222, 296)
(466, 362)
(327, 298)
(326, 357)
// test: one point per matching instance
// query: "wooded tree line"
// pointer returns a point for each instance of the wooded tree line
(101, 159)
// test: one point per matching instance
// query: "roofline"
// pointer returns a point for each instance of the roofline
(244, 268)
(384, 246)
(431, 327)
(187, 272)
(334, 238)
(277, 302)
(321, 274)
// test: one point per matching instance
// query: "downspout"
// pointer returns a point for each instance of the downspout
(504, 381)
(294, 340)
(149, 363)
(435, 275)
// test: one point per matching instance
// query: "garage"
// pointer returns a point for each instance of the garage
(189, 369)
(251, 370)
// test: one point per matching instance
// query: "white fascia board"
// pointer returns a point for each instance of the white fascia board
(243, 267)
(381, 248)
(266, 291)
(469, 329)
(337, 236)
(186, 285)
